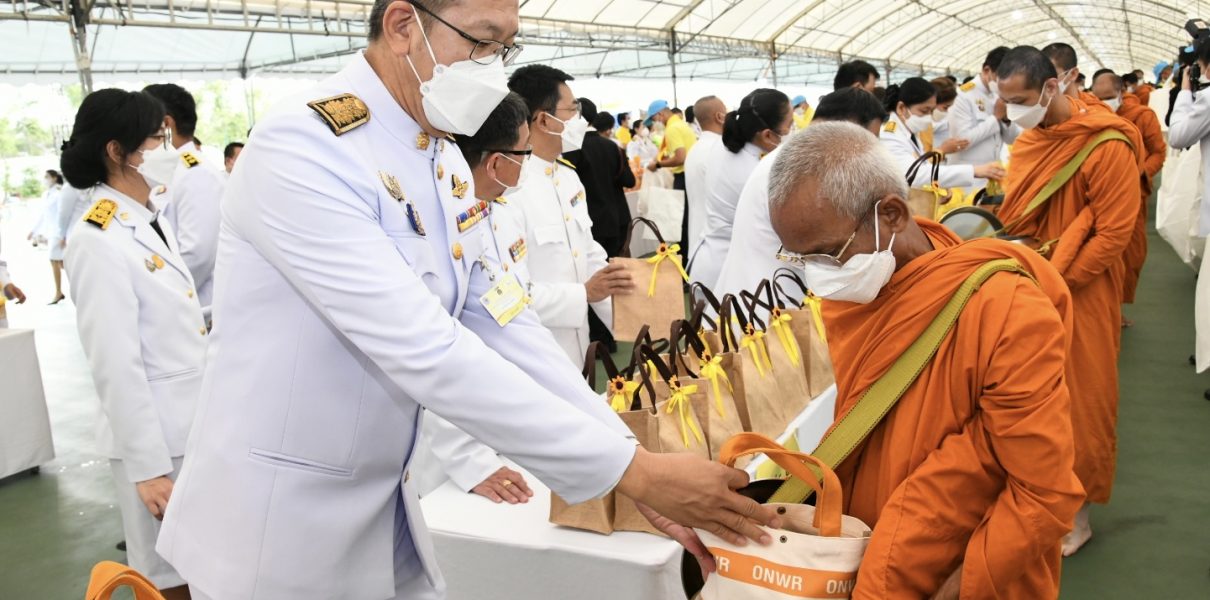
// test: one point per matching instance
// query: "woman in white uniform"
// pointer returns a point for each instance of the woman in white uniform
(54, 234)
(138, 315)
(762, 120)
(911, 105)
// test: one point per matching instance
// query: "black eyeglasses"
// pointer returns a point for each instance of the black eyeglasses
(485, 51)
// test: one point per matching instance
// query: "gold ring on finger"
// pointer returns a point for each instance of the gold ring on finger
(506, 483)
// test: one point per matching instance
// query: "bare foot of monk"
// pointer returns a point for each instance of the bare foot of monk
(1080, 534)
(1127, 323)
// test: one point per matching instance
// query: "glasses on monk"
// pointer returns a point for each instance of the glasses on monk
(822, 260)
(485, 51)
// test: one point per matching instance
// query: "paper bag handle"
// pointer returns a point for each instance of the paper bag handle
(630, 233)
(681, 329)
(829, 502)
(784, 299)
(935, 158)
(731, 309)
(707, 298)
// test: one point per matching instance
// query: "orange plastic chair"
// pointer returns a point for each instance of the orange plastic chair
(108, 576)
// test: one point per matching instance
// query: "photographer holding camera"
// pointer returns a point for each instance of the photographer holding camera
(1189, 122)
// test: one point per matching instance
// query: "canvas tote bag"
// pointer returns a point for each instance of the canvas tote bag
(785, 353)
(658, 298)
(808, 328)
(816, 553)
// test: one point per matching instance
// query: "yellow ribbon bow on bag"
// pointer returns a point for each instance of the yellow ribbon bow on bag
(752, 341)
(816, 305)
(679, 401)
(665, 252)
(780, 322)
(622, 396)
(712, 368)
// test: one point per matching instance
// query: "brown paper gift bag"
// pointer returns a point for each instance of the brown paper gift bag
(658, 298)
(785, 354)
(596, 515)
(808, 328)
(666, 423)
(758, 394)
(926, 201)
(717, 414)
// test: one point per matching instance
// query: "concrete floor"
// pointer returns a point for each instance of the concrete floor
(1150, 542)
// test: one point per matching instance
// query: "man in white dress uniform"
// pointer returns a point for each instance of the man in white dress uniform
(351, 289)
(979, 117)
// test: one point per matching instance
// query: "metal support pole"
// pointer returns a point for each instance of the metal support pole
(773, 63)
(78, 29)
(672, 60)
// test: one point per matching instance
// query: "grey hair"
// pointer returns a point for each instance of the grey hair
(850, 166)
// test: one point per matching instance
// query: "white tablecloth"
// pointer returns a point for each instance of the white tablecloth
(25, 440)
(505, 552)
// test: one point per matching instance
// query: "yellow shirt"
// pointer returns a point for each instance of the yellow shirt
(677, 134)
(801, 122)
(623, 136)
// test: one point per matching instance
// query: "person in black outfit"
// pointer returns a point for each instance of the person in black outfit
(605, 181)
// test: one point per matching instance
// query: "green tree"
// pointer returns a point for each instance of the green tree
(218, 121)
(74, 93)
(31, 185)
(33, 138)
(8, 139)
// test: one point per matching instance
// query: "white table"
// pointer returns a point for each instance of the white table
(506, 552)
(25, 440)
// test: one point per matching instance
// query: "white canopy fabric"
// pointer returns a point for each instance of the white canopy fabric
(791, 41)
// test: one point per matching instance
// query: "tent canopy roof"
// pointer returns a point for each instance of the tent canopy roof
(792, 40)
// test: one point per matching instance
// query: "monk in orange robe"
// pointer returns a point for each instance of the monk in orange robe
(968, 481)
(1085, 227)
(1109, 87)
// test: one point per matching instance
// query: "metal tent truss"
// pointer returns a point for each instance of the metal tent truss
(786, 41)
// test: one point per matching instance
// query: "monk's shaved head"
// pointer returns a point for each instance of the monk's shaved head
(1030, 63)
(1062, 55)
(1106, 84)
(848, 167)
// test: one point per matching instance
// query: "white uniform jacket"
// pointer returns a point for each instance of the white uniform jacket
(561, 254)
(142, 330)
(347, 295)
(973, 118)
(449, 452)
(906, 148)
(696, 171)
(1190, 124)
(191, 204)
(727, 172)
(753, 253)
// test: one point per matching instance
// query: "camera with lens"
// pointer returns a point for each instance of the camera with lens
(1199, 30)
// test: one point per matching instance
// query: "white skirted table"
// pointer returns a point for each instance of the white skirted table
(512, 552)
(25, 440)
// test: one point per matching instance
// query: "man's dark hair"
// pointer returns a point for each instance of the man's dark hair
(623, 117)
(994, 57)
(855, 72)
(850, 104)
(178, 104)
(689, 114)
(53, 174)
(968, 79)
(539, 86)
(1127, 78)
(603, 122)
(953, 80)
(1201, 51)
(1063, 55)
(499, 132)
(229, 150)
(678, 111)
(380, 9)
(1030, 62)
(588, 109)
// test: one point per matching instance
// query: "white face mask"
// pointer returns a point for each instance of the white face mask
(919, 123)
(798, 112)
(1114, 103)
(521, 176)
(1028, 117)
(859, 279)
(460, 97)
(573, 132)
(158, 166)
(994, 86)
(940, 114)
(1063, 83)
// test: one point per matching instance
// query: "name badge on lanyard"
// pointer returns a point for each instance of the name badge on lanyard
(505, 300)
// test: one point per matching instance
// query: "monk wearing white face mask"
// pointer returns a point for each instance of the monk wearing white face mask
(1085, 227)
(968, 480)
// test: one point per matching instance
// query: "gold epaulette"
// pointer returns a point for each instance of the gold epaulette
(190, 160)
(968, 86)
(101, 213)
(890, 127)
(342, 113)
(566, 162)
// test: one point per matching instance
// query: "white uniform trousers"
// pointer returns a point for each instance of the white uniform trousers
(142, 529)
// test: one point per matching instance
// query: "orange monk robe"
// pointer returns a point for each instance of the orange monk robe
(1155, 150)
(1094, 215)
(1093, 102)
(973, 466)
(1143, 93)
